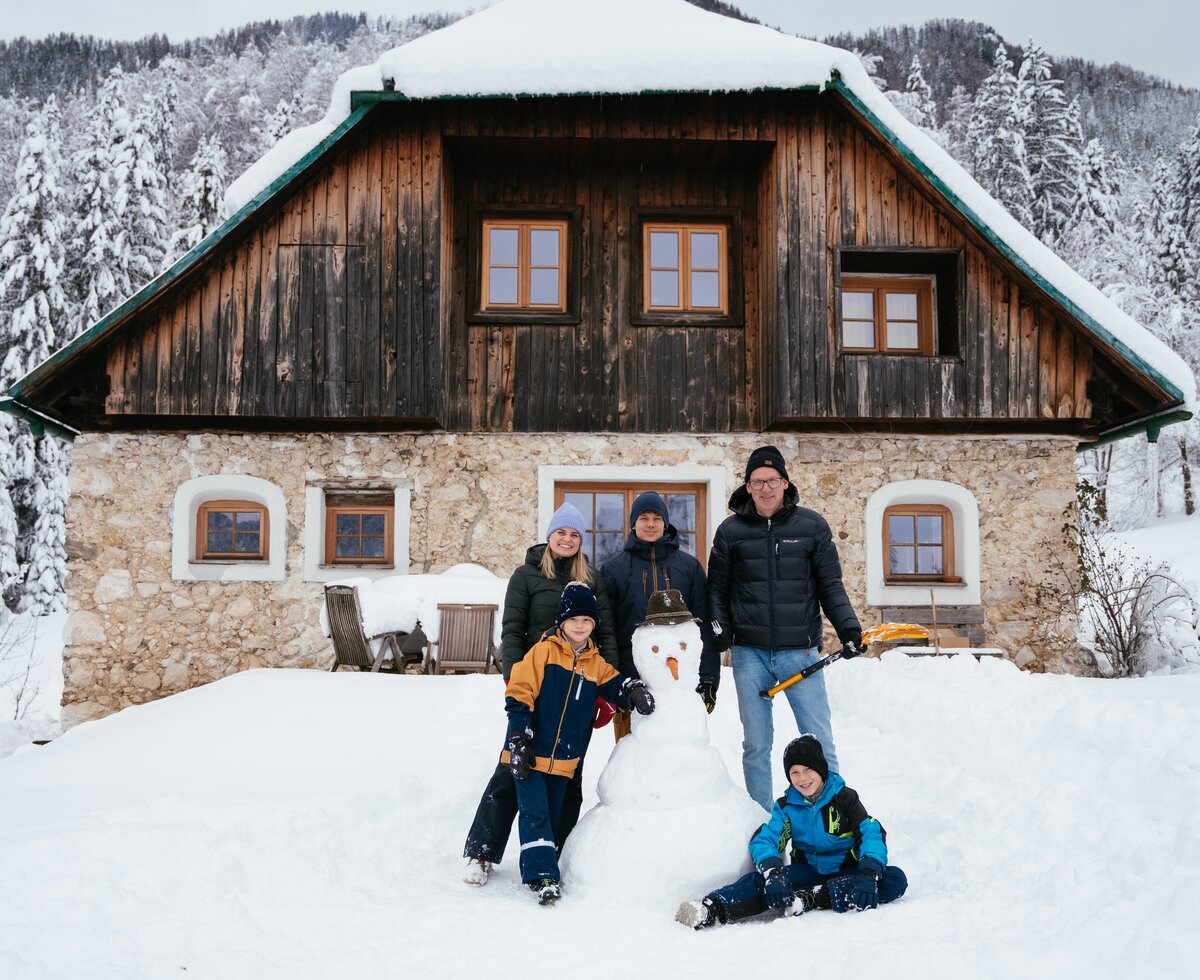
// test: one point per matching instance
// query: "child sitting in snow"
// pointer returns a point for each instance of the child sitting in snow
(839, 854)
(549, 699)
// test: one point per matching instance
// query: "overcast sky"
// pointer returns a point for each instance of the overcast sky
(1156, 36)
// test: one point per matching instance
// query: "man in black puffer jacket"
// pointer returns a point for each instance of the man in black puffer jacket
(653, 561)
(773, 569)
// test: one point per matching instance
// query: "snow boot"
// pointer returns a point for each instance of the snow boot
(477, 871)
(698, 915)
(547, 890)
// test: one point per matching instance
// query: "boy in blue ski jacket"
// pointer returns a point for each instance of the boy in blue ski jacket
(550, 698)
(839, 851)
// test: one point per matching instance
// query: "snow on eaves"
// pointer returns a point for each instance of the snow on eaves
(571, 47)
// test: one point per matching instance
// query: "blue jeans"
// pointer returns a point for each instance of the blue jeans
(755, 670)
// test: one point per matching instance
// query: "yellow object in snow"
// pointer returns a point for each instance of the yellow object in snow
(895, 631)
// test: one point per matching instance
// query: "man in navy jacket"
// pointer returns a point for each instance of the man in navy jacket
(651, 562)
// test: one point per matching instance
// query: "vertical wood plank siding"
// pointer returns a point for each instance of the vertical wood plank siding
(350, 299)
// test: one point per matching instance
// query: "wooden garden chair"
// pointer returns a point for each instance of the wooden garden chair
(351, 645)
(464, 639)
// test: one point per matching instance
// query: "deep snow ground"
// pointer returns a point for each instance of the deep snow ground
(303, 824)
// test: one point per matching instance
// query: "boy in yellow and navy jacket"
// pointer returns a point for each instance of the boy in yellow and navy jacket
(550, 699)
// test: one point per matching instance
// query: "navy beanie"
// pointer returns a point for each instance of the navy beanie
(577, 600)
(805, 751)
(765, 456)
(648, 501)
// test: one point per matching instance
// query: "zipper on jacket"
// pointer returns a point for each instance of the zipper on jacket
(771, 560)
(562, 717)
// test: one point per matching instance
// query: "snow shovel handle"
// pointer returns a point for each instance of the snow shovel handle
(797, 678)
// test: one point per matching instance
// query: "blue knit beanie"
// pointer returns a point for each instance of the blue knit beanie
(648, 501)
(577, 600)
(566, 516)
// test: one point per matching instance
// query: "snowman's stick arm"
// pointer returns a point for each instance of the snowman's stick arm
(797, 678)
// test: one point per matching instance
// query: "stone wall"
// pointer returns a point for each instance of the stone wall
(134, 634)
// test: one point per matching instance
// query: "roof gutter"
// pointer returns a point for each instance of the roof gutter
(1150, 427)
(39, 422)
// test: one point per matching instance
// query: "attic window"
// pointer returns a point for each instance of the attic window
(904, 301)
(887, 315)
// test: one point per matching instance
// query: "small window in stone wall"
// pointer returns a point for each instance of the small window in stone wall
(918, 540)
(232, 530)
(359, 528)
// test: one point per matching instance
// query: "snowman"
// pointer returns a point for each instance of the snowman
(670, 822)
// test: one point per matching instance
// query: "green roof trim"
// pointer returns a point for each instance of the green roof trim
(1001, 245)
(1150, 427)
(186, 262)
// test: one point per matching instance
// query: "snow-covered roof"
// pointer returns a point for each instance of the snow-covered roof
(570, 47)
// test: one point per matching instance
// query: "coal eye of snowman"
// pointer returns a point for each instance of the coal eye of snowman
(682, 646)
(654, 649)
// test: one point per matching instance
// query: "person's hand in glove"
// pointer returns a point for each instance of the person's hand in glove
(776, 888)
(853, 645)
(722, 637)
(639, 696)
(708, 694)
(856, 892)
(520, 754)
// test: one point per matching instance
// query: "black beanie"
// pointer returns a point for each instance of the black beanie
(805, 751)
(576, 600)
(765, 456)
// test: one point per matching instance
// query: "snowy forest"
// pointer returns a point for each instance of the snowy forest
(114, 158)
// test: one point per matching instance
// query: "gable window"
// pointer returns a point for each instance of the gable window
(918, 542)
(232, 530)
(891, 315)
(685, 267)
(905, 302)
(359, 528)
(605, 508)
(524, 265)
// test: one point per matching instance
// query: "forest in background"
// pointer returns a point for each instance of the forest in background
(114, 158)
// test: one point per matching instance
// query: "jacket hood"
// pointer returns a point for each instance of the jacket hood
(833, 785)
(740, 502)
(534, 555)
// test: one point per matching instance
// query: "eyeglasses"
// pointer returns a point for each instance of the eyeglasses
(772, 483)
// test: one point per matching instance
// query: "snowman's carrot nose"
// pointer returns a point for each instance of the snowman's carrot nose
(673, 667)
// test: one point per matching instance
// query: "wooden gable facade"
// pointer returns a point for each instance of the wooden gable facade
(348, 298)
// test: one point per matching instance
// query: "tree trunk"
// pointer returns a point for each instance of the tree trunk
(1189, 499)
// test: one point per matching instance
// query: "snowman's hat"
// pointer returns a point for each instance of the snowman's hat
(667, 608)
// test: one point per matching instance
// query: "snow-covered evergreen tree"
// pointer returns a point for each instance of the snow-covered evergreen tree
(1095, 194)
(997, 138)
(33, 308)
(101, 264)
(1187, 186)
(44, 592)
(871, 63)
(1052, 143)
(959, 109)
(203, 190)
(922, 94)
(140, 196)
(1174, 267)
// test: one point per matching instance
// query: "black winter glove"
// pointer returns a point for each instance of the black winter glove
(776, 889)
(640, 698)
(854, 893)
(853, 645)
(722, 637)
(520, 754)
(708, 694)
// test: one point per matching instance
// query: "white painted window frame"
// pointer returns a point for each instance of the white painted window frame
(715, 478)
(315, 567)
(185, 567)
(965, 512)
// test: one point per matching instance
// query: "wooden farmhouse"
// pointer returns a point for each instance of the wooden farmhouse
(540, 255)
